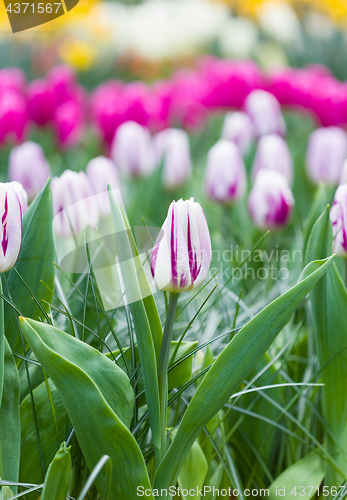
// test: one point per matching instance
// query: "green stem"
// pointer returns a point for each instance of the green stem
(163, 368)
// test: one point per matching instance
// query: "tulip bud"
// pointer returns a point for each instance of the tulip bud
(338, 216)
(172, 146)
(225, 177)
(21, 195)
(326, 152)
(41, 102)
(101, 171)
(273, 154)
(68, 124)
(28, 165)
(133, 150)
(11, 227)
(270, 201)
(265, 112)
(13, 116)
(75, 203)
(181, 256)
(238, 128)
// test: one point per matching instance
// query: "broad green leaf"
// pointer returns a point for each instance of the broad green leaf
(5, 493)
(9, 419)
(2, 344)
(98, 398)
(230, 369)
(31, 467)
(193, 471)
(329, 311)
(307, 473)
(136, 286)
(58, 476)
(35, 265)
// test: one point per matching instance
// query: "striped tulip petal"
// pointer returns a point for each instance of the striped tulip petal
(11, 227)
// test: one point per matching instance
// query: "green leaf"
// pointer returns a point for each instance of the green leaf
(329, 311)
(137, 287)
(35, 265)
(230, 369)
(31, 467)
(9, 419)
(58, 476)
(193, 471)
(2, 344)
(104, 461)
(308, 473)
(99, 400)
(319, 203)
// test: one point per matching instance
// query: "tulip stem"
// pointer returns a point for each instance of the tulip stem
(163, 368)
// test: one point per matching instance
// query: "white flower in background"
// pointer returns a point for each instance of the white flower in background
(238, 128)
(319, 26)
(238, 37)
(279, 21)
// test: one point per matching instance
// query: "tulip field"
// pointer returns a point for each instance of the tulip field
(173, 301)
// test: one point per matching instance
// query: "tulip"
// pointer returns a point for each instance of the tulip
(173, 148)
(265, 112)
(182, 253)
(133, 150)
(21, 194)
(102, 171)
(338, 216)
(11, 227)
(225, 177)
(41, 102)
(326, 152)
(238, 128)
(68, 124)
(343, 176)
(28, 165)
(273, 154)
(13, 116)
(74, 204)
(12, 79)
(270, 201)
(62, 79)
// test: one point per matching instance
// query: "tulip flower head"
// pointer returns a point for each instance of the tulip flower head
(13, 116)
(225, 177)
(102, 171)
(338, 216)
(181, 256)
(172, 146)
(133, 150)
(265, 112)
(343, 176)
(11, 227)
(273, 154)
(270, 201)
(21, 195)
(74, 204)
(28, 165)
(326, 152)
(238, 128)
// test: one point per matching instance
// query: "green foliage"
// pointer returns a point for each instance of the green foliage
(58, 476)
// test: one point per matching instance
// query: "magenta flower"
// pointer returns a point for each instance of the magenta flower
(12, 79)
(172, 147)
(181, 256)
(41, 102)
(11, 227)
(270, 201)
(225, 177)
(68, 124)
(238, 128)
(273, 154)
(265, 112)
(338, 216)
(63, 81)
(28, 165)
(102, 171)
(74, 204)
(133, 150)
(13, 116)
(326, 152)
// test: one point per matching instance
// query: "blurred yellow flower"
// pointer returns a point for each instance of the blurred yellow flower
(78, 53)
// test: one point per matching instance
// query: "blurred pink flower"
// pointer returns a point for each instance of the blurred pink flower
(13, 116)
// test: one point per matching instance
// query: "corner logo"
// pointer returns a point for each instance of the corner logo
(25, 15)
